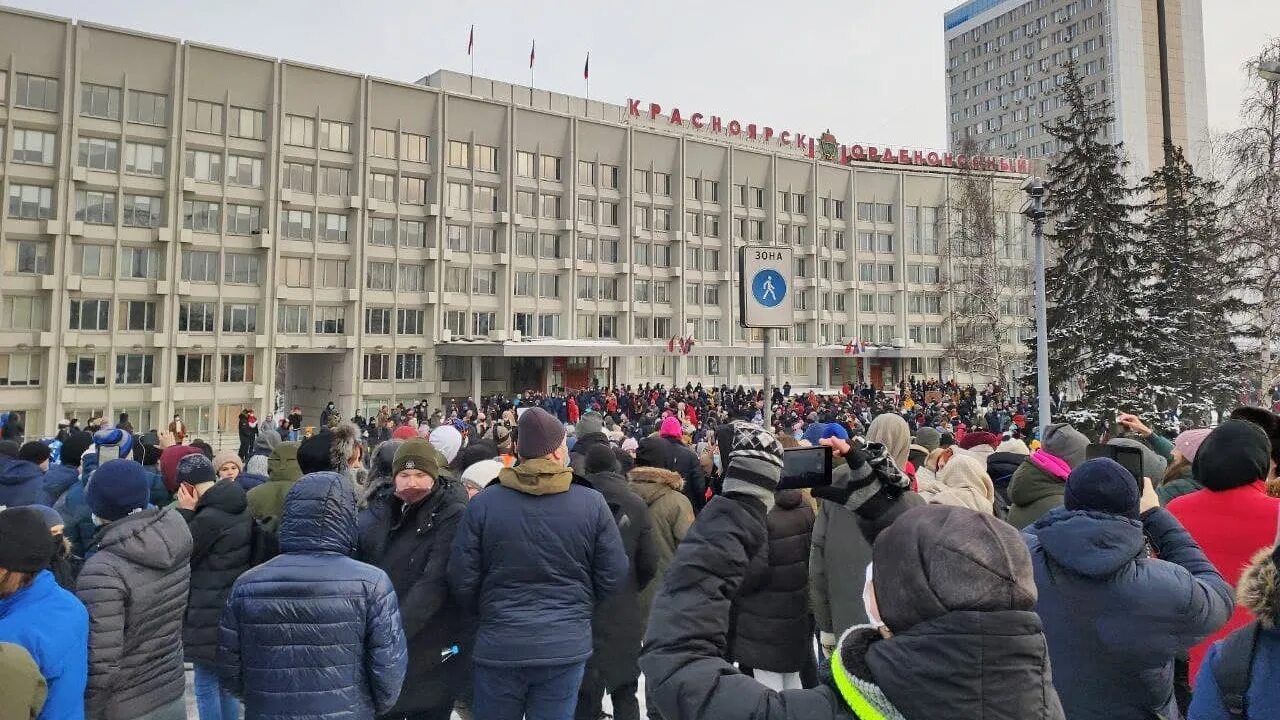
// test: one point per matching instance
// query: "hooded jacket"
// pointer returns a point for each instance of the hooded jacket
(312, 632)
(222, 536)
(1000, 468)
(21, 483)
(532, 558)
(1037, 487)
(58, 479)
(963, 483)
(1258, 592)
(53, 626)
(1115, 618)
(22, 688)
(266, 501)
(838, 558)
(135, 588)
(672, 515)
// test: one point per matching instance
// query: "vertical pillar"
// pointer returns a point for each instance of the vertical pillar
(824, 371)
(475, 378)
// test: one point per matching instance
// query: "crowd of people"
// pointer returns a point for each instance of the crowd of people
(530, 556)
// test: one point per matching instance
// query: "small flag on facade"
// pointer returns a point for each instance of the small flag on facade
(471, 39)
(532, 49)
(586, 68)
(848, 348)
(671, 345)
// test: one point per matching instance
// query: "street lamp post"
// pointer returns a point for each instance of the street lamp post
(1269, 72)
(1035, 190)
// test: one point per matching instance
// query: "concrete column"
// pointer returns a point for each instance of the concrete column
(866, 370)
(475, 378)
(824, 371)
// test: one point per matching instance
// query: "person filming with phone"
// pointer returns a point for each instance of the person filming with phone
(1114, 616)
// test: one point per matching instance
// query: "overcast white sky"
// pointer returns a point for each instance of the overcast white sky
(871, 70)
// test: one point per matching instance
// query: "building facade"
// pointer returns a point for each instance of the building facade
(193, 230)
(1005, 58)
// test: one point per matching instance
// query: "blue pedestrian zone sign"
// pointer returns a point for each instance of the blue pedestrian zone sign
(764, 286)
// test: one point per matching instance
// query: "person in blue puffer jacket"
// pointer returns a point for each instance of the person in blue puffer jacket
(21, 480)
(312, 632)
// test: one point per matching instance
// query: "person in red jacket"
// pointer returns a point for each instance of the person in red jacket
(573, 411)
(1232, 517)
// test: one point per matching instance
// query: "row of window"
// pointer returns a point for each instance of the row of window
(89, 368)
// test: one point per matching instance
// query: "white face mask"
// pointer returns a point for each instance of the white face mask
(869, 602)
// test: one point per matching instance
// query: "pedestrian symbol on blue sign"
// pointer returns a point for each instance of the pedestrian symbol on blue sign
(768, 287)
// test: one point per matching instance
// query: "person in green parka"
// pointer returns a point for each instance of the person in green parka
(266, 501)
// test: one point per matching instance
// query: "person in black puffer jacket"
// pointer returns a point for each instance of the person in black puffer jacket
(590, 433)
(1001, 465)
(312, 632)
(221, 526)
(409, 534)
(616, 626)
(772, 635)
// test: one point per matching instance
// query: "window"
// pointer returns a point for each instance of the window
(549, 246)
(550, 167)
(382, 186)
(486, 158)
(412, 278)
(485, 240)
(333, 227)
(523, 284)
(335, 135)
(711, 259)
(237, 367)
(523, 323)
(134, 369)
(244, 171)
(239, 318)
(609, 214)
(456, 279)
(757, 230)
(608, 327)
(294, 319)
(413, 190)
(693, 258)
(661, 183)
(241, 269)
(692, 188)
(377, 366)
(35, 92)
(100, 101)
(887, 303)
(87, 368)
(884, 242)
(711, 226)
(148, 108)
(241, 219)
(143, 159)
(409, 322)
(408, 366)
(89, 314)
(295, 271)
(195, 369)
(710, 294)
(297, 176)
(299, 130)
(525, 243)
(586, 173)
(200, 266)
(661, 255)
(331, 273)
(204, 166)
(377, 321)
(413, 233)
(415, 147)
(382, 143)
(380, 276)
(456, 238)
(30, 202)
(886, 272)
(331, 320)
(924, 304)
(640, 217)
(459, 154)
(548, 285)
(458, 196)
(586, 210)
(96, 208)
(143, 211)
(551, 206)
(586, 287)
(23, 312)
(661, 219)
(32, 147)
(205, 117)
(586, 248)
(245, 123)
(525, 163)
(608, 250)
(96, 154)
(483, 323)
(296, 224)
(196, 316)
(139, 263)
(484, 282)
(335, 181)
(525, 203)
(382, 231)
(201, 216)
(454, 321)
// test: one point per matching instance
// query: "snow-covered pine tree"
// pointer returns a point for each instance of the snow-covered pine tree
(1098, 337)
(1196, 304)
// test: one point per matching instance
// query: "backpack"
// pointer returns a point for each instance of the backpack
(1234, 669)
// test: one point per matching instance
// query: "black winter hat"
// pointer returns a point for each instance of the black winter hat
(313, 453)
(34, 452)
(9, 449)
(74, 446)
(600, 458)
(26, 545)
(1265, 419)
(1235, 454)
(652, 452)
(1102, 484)
(195, 469)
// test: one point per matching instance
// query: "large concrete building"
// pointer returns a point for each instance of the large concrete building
(1005, 58)
(193, 230)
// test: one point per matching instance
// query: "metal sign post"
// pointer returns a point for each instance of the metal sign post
(764, 289)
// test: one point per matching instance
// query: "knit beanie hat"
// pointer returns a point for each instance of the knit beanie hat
(169, 459)
(1103, 485)
(1015, 446)
(415, 454)
(404, 432)
(652, 452)
(630, 444)
(9, 449)
(755, 462)
(1235, 454)
(114, 437)
(600, 458)
(34, 452)
(266, 441)
(936, 559)
(1188, 442)
(1064, 441)
(314, 455)
(670, 428)
(117, 488)
(980, 437)
(74, 446)
(539, 433)
(227, 456)
(589, 424)
(928, 438)
(1265, 419)
(447, 440)
(480, 474)
(195, 469)
(26, 546)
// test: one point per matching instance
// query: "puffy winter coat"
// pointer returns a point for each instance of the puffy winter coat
(58, 479)
(54, 627)
(74, 509)
(22, 688)
(962, 665)
(683, 460)
(532, 558)
(412, 544)
(1115, 618)
(221, 534)
(21, 483)
(312, 632)
(1229, 526)
(617, 628)
(771, 628)
(838, 559)
(135, 588)
(671, 513)
(578, 458)
(1000, 467)
(1037, 487)
(1258, 592)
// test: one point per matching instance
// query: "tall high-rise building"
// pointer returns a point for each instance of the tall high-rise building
(1005, 57)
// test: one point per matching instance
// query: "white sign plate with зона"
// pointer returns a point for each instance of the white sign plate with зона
(765, 286)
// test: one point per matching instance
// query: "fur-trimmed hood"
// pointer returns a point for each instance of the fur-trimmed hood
(346, 436)
(1259, 588)
(657, 476)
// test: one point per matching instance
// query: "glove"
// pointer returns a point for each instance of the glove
(828, 642)
(869, 470)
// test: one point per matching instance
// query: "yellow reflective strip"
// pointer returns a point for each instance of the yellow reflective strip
(854, 699)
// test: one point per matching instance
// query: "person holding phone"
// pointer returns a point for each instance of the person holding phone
(1115, 618)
